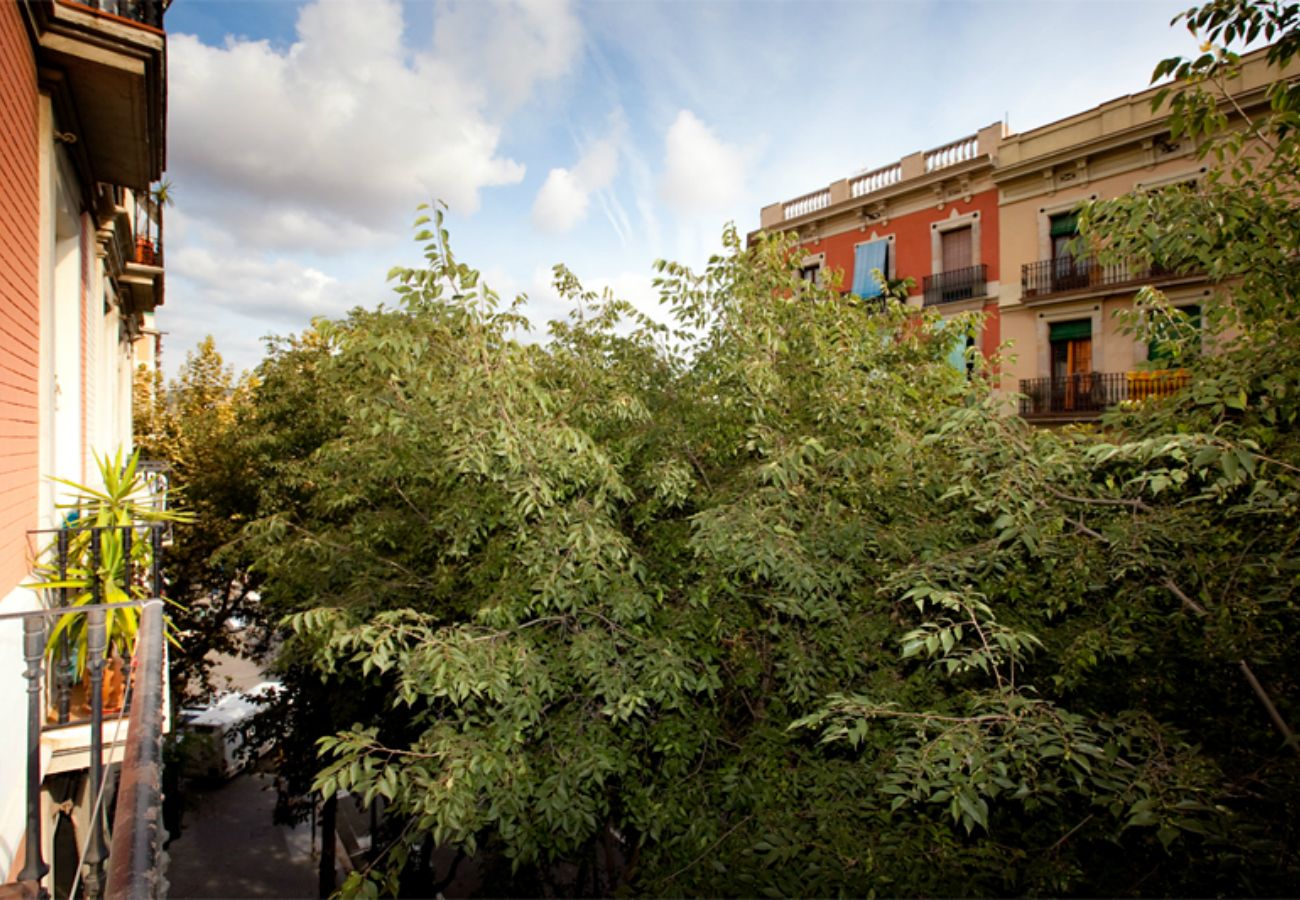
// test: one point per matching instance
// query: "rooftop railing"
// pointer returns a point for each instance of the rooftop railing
(876, 179)
(958, 151)
(865, 183)
(801, 206)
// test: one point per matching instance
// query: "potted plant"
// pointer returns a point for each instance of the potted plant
(114, 571)
(158, 197)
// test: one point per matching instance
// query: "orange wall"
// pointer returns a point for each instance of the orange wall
(912, 239)
(19, 294)
(992, 334)
(914, 250)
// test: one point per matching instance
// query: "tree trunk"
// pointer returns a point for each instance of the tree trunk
(328, 816)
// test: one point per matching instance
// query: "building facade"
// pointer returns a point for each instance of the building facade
(82, 138)
(1050, 303)
(931, 216)
(1071, 358)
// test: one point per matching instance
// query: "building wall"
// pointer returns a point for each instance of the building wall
(19, 294)
(1023, 215)
(914, 248)
(912, 238)
(1025, 240)
(19, 365)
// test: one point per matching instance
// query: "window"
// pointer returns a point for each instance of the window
(1063, 228)
(1072, 381)
(811, 272)
(957, 356)
(1160, 351)
(956, 249)
(1069, 271)
(869, 256)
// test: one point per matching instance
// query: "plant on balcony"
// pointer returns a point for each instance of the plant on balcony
(145, 247)
(121, 571)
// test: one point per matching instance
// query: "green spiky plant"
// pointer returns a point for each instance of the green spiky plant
(123, 500)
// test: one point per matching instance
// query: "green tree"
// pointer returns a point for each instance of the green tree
(194, 425)
(773, 601)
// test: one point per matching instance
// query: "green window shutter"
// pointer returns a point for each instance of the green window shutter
(1065, 225)
(1071, 331)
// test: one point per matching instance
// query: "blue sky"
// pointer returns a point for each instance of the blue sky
(603, 135)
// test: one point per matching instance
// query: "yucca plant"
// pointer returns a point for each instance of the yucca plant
(121, 571)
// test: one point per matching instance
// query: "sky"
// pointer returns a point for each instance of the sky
(602, 135)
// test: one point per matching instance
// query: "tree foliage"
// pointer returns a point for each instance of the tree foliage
(194, 425)
(772, 600)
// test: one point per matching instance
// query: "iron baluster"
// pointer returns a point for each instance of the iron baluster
(128, 582)
(96, 645)
(64, 674)
(34, 867)
(156, 562)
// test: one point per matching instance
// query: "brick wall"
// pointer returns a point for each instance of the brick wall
(19, 294)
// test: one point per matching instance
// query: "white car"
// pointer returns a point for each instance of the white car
(216, 746)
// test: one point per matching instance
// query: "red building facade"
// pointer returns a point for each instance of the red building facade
(931, 217)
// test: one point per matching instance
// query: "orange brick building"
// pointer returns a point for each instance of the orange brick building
(82, 136)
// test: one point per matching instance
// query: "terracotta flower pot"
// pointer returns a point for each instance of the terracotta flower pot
(113, 689)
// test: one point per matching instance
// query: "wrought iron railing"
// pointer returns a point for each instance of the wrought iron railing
(1080, 273)
(148, 230)
(957, 284)
(1093, 392)
(134, 854)
(146, 12)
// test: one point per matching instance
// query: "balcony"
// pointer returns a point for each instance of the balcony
(958, 284)
(104, 64)
(89, 725)
(1085, 274)
(142, 275)
(146, 12)
(1085, 396)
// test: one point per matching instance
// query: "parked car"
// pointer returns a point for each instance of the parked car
(215, 735)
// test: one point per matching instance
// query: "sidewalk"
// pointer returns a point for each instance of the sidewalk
(229, 848)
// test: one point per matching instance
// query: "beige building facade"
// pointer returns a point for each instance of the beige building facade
(1051, 305)
(1069, 356)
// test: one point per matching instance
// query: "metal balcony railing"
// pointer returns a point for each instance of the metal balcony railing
(957, 284)
(1082, 273)
(134, 855)
(148, 230)
(1092, 392)
(146, 12)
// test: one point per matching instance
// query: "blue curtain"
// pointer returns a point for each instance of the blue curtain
(868, 256)
(957, 355)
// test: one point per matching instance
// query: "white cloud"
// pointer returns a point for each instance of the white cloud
(509, 45)
(345, 131)
(275, 289)
(561, 203)
(701, 172)
(563, 200)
